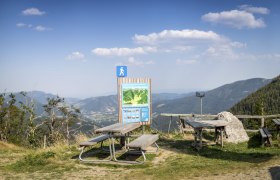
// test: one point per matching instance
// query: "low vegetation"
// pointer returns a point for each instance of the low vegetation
(176, 159)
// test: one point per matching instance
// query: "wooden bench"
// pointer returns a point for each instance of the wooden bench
(266, 136)
(91, 142)
(143, 142)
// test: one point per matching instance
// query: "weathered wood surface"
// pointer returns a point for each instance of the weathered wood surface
(276, 121)
(94, 140)
(266, 136)
(262, 133)
(119, 128)
(257, 116)
(215, 116)
(205, 123)
(209, 116)
(143, 141)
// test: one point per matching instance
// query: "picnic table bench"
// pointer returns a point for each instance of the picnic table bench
(143, 142)
(265, 136)
(277, 123)
(123, 131)
(198, 126)
(91, 142)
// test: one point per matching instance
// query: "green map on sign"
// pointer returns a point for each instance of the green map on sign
(135, 96)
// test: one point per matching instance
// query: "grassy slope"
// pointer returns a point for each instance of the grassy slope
(177, 159)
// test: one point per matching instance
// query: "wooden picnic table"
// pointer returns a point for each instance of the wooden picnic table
(198, 126)
(120, 128)
(115, 130)
(277, 123)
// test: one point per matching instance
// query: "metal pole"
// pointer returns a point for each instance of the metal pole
(201, 105)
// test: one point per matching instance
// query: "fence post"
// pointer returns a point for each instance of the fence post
(45, 140)
(262, 122)
(169, 124)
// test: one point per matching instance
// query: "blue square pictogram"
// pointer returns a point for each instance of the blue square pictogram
(121, 71)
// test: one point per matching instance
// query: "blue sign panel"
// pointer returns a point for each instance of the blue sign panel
(121, 71)
(135, 102)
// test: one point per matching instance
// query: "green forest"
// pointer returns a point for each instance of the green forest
(264, 101)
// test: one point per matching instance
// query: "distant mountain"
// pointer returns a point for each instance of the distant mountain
(215, 101)
(103, 110)
(266, 100)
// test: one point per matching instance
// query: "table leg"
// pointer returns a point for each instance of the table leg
(222, 131)
(113, 149)
(195, 136)
(216, 135)
(200, 137)
(277, 130)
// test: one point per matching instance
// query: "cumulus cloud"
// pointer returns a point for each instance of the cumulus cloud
(132, 61)
(186, 62)
(171, 35)
(76, 56)
(234, 18)
(21, 25)
(185, 44)
(33, 12)
(254, 10)
(42, 28)
(122, 51)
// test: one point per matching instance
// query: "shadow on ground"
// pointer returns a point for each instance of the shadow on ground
(230, 152)
(275, 172)
(97, 153)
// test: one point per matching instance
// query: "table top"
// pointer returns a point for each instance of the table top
(276, 121)
(205, 123)
(119, 128)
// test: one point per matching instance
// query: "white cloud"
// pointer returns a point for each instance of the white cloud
(256, 10)
(122, 51)
(186, 62)
(21, 25)
(132, 61)
(76, 56)
(234, 18)
(170, 35)
(33, 12)
(194, 45)
(42, 28)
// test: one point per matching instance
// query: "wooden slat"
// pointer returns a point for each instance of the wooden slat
(276, 121)
(209, 116)
(257, 116)
(119, 128)
(143, 141)
(262, 133)
(94, 140)
(206, 123)
(267, 132)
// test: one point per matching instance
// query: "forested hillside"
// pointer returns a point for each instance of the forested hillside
(264, 101)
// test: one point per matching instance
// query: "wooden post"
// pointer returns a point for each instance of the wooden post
(45, 141)
(169, 124)
(262, 122)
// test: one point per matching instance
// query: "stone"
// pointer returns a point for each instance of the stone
(235, 129)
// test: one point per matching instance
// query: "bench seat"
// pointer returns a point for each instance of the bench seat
(91, 142)
(94, 140)
(266, 136)
(143, 141)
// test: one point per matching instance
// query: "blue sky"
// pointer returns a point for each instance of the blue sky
(72, 48)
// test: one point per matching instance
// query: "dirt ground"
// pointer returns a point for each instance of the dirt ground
(84, 171)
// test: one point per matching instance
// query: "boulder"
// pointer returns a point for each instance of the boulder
(235, 130)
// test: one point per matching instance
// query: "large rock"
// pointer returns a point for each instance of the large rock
(235, 130)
